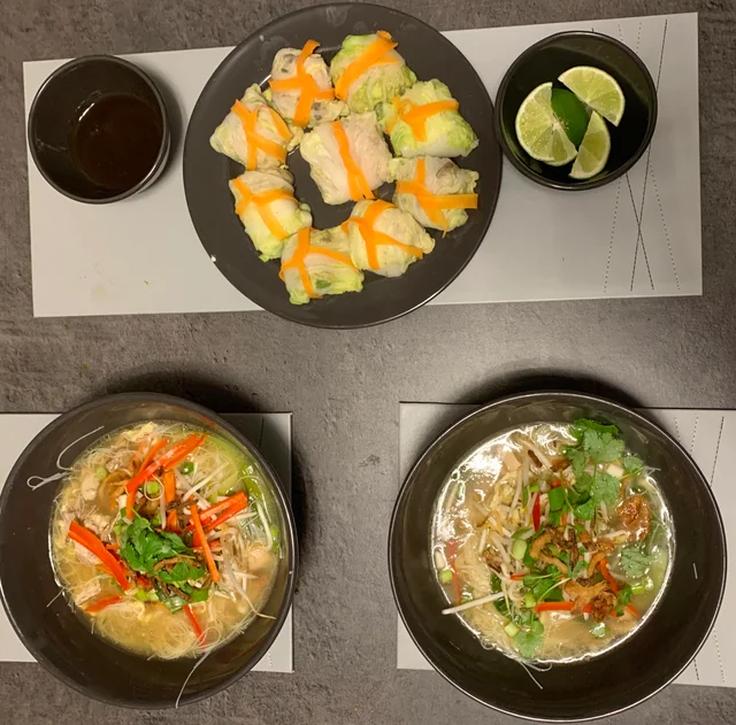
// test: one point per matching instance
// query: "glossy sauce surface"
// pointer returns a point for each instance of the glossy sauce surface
(116, 141)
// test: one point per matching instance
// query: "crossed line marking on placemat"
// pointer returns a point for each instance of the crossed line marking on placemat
(639, 212)
(711, 481)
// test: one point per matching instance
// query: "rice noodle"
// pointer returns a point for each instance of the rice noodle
(475, 603)
(266, 526)
(204, 481)
(483, 540)
(519, 483)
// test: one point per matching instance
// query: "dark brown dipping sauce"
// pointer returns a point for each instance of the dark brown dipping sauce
(116, 141)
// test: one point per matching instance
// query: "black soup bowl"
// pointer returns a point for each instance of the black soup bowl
(545, 61)
(98, 129)
(54, 633)
(625, 675)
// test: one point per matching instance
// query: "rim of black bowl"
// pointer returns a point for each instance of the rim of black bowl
(597, 181)
(279, 495)
(163, 151)
(588, 398)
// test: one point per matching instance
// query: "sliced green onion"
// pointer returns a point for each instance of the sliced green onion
(556, 498)
(446, 576)
(524, 534)
(599, 630)
(187, 467)
(152, 488)
(518, 549)
(101, 473)
(511, 629)
(529, 600)
(645, 585)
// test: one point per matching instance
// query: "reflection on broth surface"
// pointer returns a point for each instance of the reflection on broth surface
(162, 539)
(552, 542)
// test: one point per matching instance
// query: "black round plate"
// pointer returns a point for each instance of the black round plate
(545, 61)
(626, 674)
(206, 172)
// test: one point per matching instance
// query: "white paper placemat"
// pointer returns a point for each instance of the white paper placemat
(708, 435)
(637, 236)
(270, 432)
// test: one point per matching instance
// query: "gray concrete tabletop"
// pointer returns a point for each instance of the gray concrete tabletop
(344, 388)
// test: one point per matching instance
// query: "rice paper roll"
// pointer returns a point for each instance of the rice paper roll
(317, 263)
(347, 158)
(384, 239)
(253, 133)
(425, 121)
(367, 70)
(265, 204)
(436, 192)
(300, 88)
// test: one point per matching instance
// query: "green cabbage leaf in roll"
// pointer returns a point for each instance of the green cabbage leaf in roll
(384, 239)
(425, 121)
(317, 263)
(265, 204)
(434, 191)
(347, 158)
(253, 133)
(367, 70)
(300, 88)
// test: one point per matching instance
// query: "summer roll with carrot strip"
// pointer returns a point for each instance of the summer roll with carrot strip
(435, 191)
(268, 210)
(317, 263)
(300, 88)
(367, 70)
(253, 133)
(426, 121)
(384, 239)
(348, 158)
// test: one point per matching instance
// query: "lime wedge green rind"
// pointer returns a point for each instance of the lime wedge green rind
(570, 111)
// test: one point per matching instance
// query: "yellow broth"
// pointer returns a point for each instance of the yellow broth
(93, 494)
(542, 608)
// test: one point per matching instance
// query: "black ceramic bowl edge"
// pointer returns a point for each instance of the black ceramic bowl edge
(282, 502)
(596, 181)
(586, 398)
(163, 153)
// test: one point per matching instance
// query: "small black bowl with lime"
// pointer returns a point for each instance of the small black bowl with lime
(576, 110)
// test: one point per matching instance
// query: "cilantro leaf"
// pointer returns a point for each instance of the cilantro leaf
(605, 489)
(586, 425)
(623, 598)
(634, 562)
(585, 511)
(199, 595)
(545, 587)
(528, 641)
(580, 568)
(633, 465)
(180, 572)
(578, 459)
(142, 548)
(556, 497)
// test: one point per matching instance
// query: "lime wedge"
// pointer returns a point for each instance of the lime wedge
(593, 151)
(597, 89)
(571, 113)
(539, 132)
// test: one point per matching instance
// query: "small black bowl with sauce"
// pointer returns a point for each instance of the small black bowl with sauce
(98, 130)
